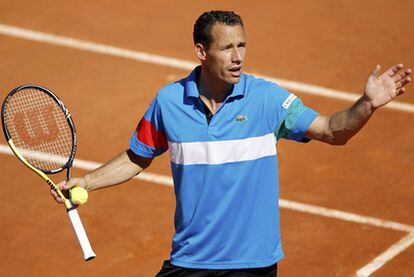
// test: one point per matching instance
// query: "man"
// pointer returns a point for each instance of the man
(221, 127)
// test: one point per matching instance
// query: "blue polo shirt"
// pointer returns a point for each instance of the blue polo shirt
(225, 172)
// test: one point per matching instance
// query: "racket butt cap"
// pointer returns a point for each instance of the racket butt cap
(90, 257)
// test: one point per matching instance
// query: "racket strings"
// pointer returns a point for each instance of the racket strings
(39, 129)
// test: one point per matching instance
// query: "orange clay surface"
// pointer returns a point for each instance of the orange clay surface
(334, 44)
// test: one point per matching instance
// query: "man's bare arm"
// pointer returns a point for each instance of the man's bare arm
(119, 169)
(380, 89)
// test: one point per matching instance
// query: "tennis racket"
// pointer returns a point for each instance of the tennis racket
(41, 133)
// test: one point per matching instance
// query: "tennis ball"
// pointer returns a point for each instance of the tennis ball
(78, 194)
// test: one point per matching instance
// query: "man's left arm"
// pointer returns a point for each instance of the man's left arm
(380, 89)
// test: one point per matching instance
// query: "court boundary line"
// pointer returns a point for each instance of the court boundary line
(386, 256)
(365, 271)
(99, 48)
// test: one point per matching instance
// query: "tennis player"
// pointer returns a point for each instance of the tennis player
(221, 127)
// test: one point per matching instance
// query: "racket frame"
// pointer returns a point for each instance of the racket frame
(70, 208)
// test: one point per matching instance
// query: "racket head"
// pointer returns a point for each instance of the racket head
(40, 127)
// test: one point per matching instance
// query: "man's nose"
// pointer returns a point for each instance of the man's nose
(236, 56)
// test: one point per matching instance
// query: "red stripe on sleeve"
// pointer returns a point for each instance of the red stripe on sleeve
(147, 134)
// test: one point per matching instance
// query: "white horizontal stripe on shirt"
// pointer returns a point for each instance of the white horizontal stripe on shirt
(220, 152)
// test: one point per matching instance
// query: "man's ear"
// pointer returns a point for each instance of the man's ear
(200, 51)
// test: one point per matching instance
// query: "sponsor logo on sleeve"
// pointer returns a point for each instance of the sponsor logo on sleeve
(288, 101)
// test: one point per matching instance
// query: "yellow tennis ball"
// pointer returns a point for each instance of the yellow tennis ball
(78, 194)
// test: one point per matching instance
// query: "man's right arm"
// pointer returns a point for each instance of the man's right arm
(119, 169)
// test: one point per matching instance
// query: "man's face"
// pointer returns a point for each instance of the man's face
(224, 58)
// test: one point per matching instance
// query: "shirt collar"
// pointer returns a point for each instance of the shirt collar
(191, 89)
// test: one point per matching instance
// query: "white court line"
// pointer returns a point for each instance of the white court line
(361, 219)
(178, 63)
(386, 256)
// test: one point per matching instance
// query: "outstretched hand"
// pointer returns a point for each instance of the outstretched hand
(383, 88)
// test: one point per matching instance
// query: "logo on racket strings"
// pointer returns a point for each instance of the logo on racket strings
(37, 126)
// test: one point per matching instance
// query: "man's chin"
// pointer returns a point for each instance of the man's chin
(233, 80)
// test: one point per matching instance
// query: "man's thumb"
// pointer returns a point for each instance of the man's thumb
(376, 71)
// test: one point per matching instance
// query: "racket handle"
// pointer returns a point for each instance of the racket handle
(81, 234)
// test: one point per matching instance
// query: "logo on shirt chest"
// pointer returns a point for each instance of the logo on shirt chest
(241, 118)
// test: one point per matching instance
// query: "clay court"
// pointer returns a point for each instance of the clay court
(345, 211)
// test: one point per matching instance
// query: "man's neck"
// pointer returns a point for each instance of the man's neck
(212, 93)
(211, 89)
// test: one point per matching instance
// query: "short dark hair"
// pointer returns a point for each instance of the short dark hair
(204, 24)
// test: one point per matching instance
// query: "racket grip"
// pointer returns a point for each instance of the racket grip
(81, 234)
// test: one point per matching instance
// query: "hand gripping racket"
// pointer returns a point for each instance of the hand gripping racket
(41, 133)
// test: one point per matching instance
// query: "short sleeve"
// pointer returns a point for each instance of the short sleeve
(296, 121)
(149, 139)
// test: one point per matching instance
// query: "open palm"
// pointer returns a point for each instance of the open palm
(383, 88)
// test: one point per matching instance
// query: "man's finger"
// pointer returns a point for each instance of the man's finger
(66, 185)
(61, 185)
(56, 196)
(403, 82)
(76, 203)
(53, 193)
(390, 72)
(401, 75)
(400, 91)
